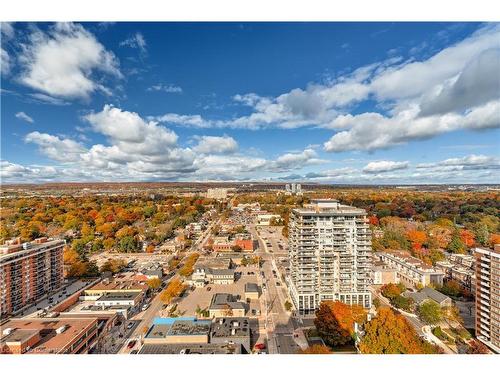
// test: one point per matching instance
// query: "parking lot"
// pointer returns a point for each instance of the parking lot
(56, 297)
(202, 296)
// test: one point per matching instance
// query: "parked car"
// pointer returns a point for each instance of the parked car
(135, 351)
(130, 325)
(260, 346)
(145, 307)
(131, 344)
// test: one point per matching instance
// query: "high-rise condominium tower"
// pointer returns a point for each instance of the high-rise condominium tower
(329, 253)
(488, 296)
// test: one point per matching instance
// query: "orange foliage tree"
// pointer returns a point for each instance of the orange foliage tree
(391, 333)
(335, 322)
(316, 349)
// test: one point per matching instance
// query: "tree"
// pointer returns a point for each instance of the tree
(451, 288)
(315, 349)
(154, 283)
(391, 333)
(288, 305)
(335, 322)
(174, 289)
(391, 290)
(477, 347)
(128, 244)
(430, 312)
(403, 303)
(456, 245)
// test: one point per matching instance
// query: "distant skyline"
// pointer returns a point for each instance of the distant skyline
(346, 103)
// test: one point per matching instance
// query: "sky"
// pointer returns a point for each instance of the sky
(346, 103)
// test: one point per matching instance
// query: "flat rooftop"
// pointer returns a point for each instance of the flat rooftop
(51, 341)
(119, 296)
(224, 300)
(163, 327)
(191, 349)
(328, 207)
(230, 327)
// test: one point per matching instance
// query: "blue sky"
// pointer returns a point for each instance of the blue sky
(321, 102)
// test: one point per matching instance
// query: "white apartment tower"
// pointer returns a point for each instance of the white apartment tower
(329, 253)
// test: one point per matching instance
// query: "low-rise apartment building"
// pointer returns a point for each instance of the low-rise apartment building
(411, 271)
(28, 272)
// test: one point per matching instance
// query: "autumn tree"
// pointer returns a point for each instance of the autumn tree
(335, 322)
(391, 333)
(173, 289)
(154, 283)
(315, 349)
(477, 347)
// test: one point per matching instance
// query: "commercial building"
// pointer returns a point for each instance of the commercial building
(28, 272)
(225, 305)
(49, 336)
(183, 330)
(113, 286)
(189, 335)
(411, 271)
(231, 331)
(251, 291)
(488, 296)
(329, 251)
(191, 349)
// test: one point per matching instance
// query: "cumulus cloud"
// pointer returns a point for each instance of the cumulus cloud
(382, 166)
(478, 83)
(290, 161)
(216, 145)
(7, 33)
(372, 131)
(170, 88)
(64, 61)
(453, 89)
(23, 116)
(56, 148)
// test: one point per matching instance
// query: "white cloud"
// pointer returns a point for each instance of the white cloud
(136, 41)
(4, 62)
(25, 117)
(169, 88)
(60, 149)
(216, 145)
(7, 33)
(453, 89)
(291, 161)
(46, 99)
(382, 166)
(372, 131)
(63, 62)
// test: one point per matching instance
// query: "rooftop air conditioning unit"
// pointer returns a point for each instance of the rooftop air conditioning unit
(62, 329)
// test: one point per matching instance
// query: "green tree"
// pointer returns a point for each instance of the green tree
(128, 244)
(430, 312)
(456, 245)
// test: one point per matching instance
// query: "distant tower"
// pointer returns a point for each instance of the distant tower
(294, 188)
(299, 189)
(287, 188)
